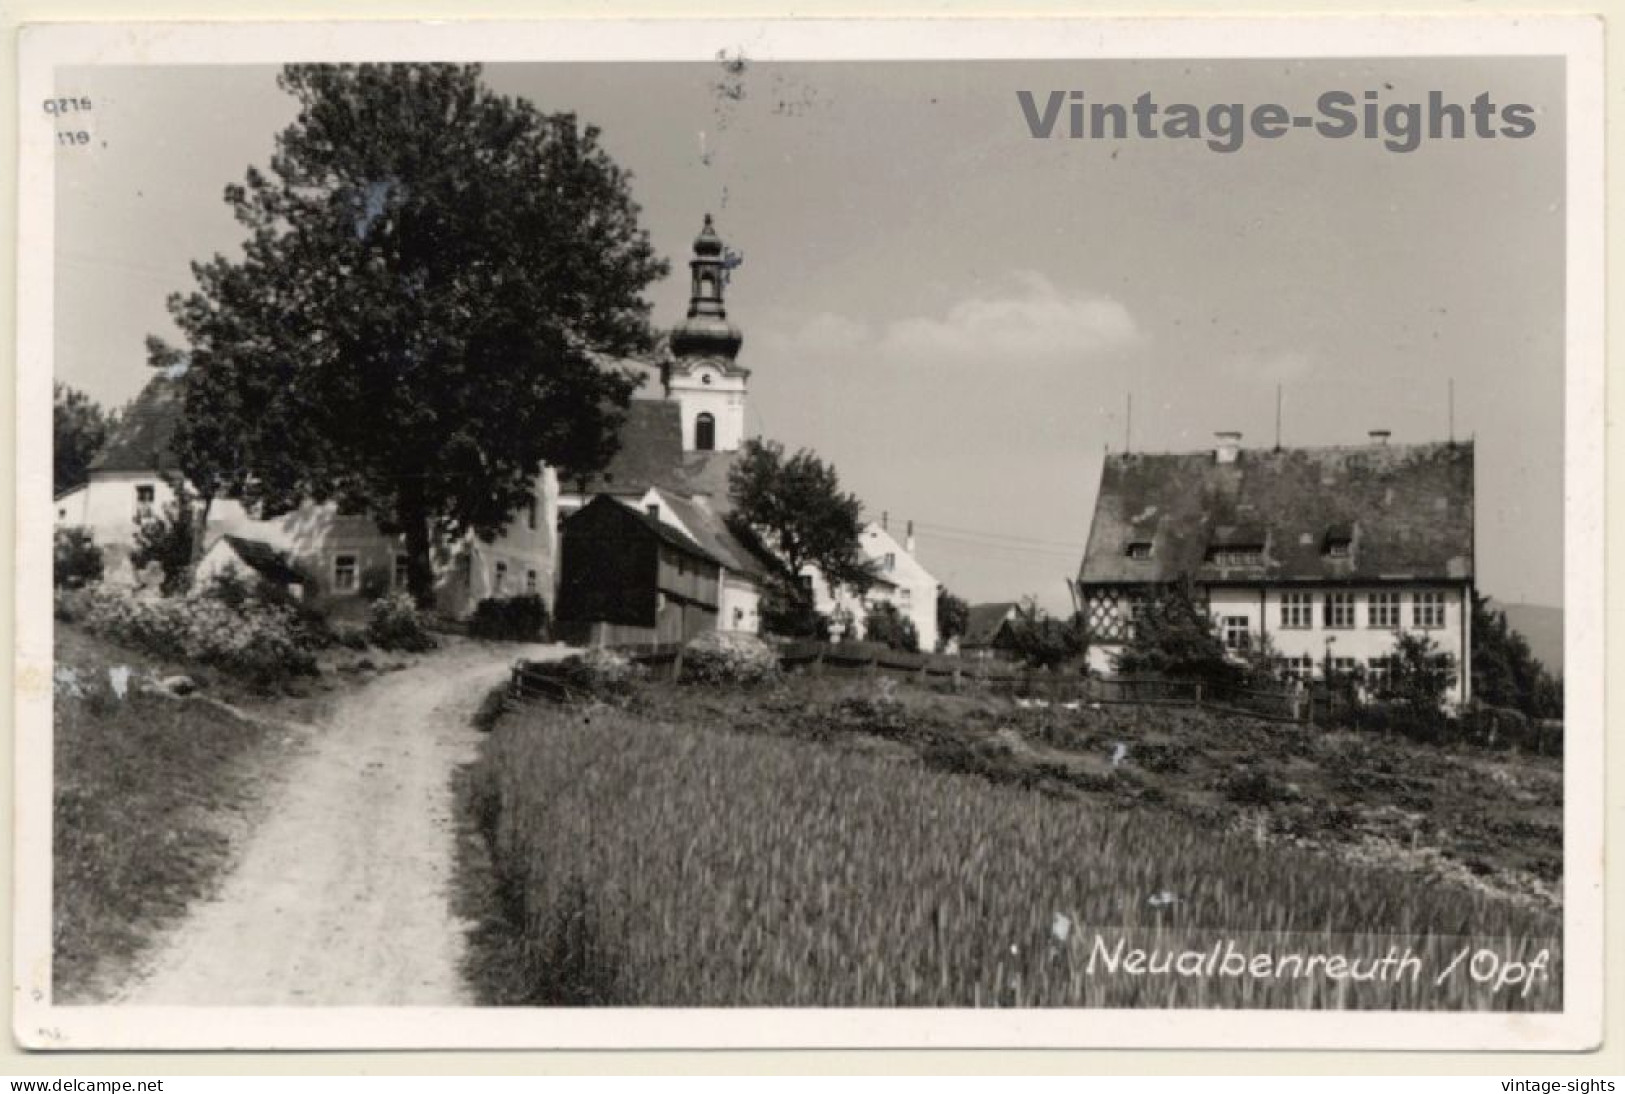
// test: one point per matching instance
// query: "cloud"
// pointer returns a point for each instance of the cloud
(1027, 322)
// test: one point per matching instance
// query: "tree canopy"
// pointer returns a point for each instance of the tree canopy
(433, 278)
(1506, 673)
(79, 428)
(1175, 636)
(795, 508)
(953, 615)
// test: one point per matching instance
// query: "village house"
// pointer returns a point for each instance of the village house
(987, 634)
(339, 556)
(900, 581)
(1325, 554)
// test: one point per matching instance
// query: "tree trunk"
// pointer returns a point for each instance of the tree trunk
(419, 562)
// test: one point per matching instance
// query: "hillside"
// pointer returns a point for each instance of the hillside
(1542, 627)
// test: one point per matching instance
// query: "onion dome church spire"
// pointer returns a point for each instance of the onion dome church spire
(702, 375)
(706, 332)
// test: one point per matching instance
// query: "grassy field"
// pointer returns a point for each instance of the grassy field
(855, 844)
(149, 793)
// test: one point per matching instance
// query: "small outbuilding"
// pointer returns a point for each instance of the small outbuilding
(252, 560)
(628, 578)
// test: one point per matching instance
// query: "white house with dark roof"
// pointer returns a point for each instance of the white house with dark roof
(337, 554)
(900, 580)
(1325, 553)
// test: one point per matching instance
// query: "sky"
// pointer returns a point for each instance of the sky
(957, 314)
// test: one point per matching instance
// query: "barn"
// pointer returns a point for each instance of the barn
(628, 578)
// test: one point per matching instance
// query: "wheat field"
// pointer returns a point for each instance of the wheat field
(649, 862)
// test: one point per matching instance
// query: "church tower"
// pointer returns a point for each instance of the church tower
(702, 376)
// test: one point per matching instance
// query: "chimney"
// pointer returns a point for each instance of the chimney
(1380, 436)
(908, 542)
(1229, 443)
(884, 520)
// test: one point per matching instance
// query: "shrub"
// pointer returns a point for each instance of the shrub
(598, 672)
(491, 709)
(76, 561)
(169, 541)
(510, 619)
(351, 636)
(890, 627)
(395, 623)
(230, 586)
(1174, 636)
(729, 657)
(261, 643)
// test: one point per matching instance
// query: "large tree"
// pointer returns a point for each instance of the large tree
(433, 280)
(795, 508)
(79, 428)
(1506, 673)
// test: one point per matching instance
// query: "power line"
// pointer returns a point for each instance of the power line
(1000, 535)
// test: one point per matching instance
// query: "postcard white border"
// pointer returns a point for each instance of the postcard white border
(39, 1024)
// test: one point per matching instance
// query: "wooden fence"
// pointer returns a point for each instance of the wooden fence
(855, 659)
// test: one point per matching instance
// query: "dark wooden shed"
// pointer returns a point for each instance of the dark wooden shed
(626, 579)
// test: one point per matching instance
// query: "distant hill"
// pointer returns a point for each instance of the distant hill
(1542, 627)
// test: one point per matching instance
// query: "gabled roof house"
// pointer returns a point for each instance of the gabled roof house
(1325, 553)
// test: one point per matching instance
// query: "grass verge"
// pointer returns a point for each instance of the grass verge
(149, 791)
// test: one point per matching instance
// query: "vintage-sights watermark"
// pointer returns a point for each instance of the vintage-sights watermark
(1226, 127)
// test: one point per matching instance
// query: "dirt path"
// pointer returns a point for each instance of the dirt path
(342, 894)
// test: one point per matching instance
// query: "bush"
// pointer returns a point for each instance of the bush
(230, 586)
(258, 642)
(395, 623)
(729, 657)
(598, 672)
(351, 636)
(510, 619)
(491, 709)
(76, 561)
(169, 540)
(890, 627)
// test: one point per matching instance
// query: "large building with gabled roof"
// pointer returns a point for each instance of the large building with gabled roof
(1326, 554)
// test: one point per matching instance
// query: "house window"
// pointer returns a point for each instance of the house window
(146, 496)
(499, 579)
(1236, 555)
(1298, 610)
(1428, 610)
(1379, 673)
(1236, 635)
(1343, 667)
(653, 511)
(1298, 668)
(1339, 547)
(344, 573)
(530, 582)
(402, 571)
(530, 514)
(1340, 609)
(705, 433)
(891, 562)
(1384, 611)
(905, 597)
(1139, 551)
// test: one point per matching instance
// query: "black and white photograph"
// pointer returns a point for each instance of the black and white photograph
(681, 534)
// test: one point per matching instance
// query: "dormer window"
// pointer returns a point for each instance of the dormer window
(1139, 551)
(1236, 554)
(1338, 541)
